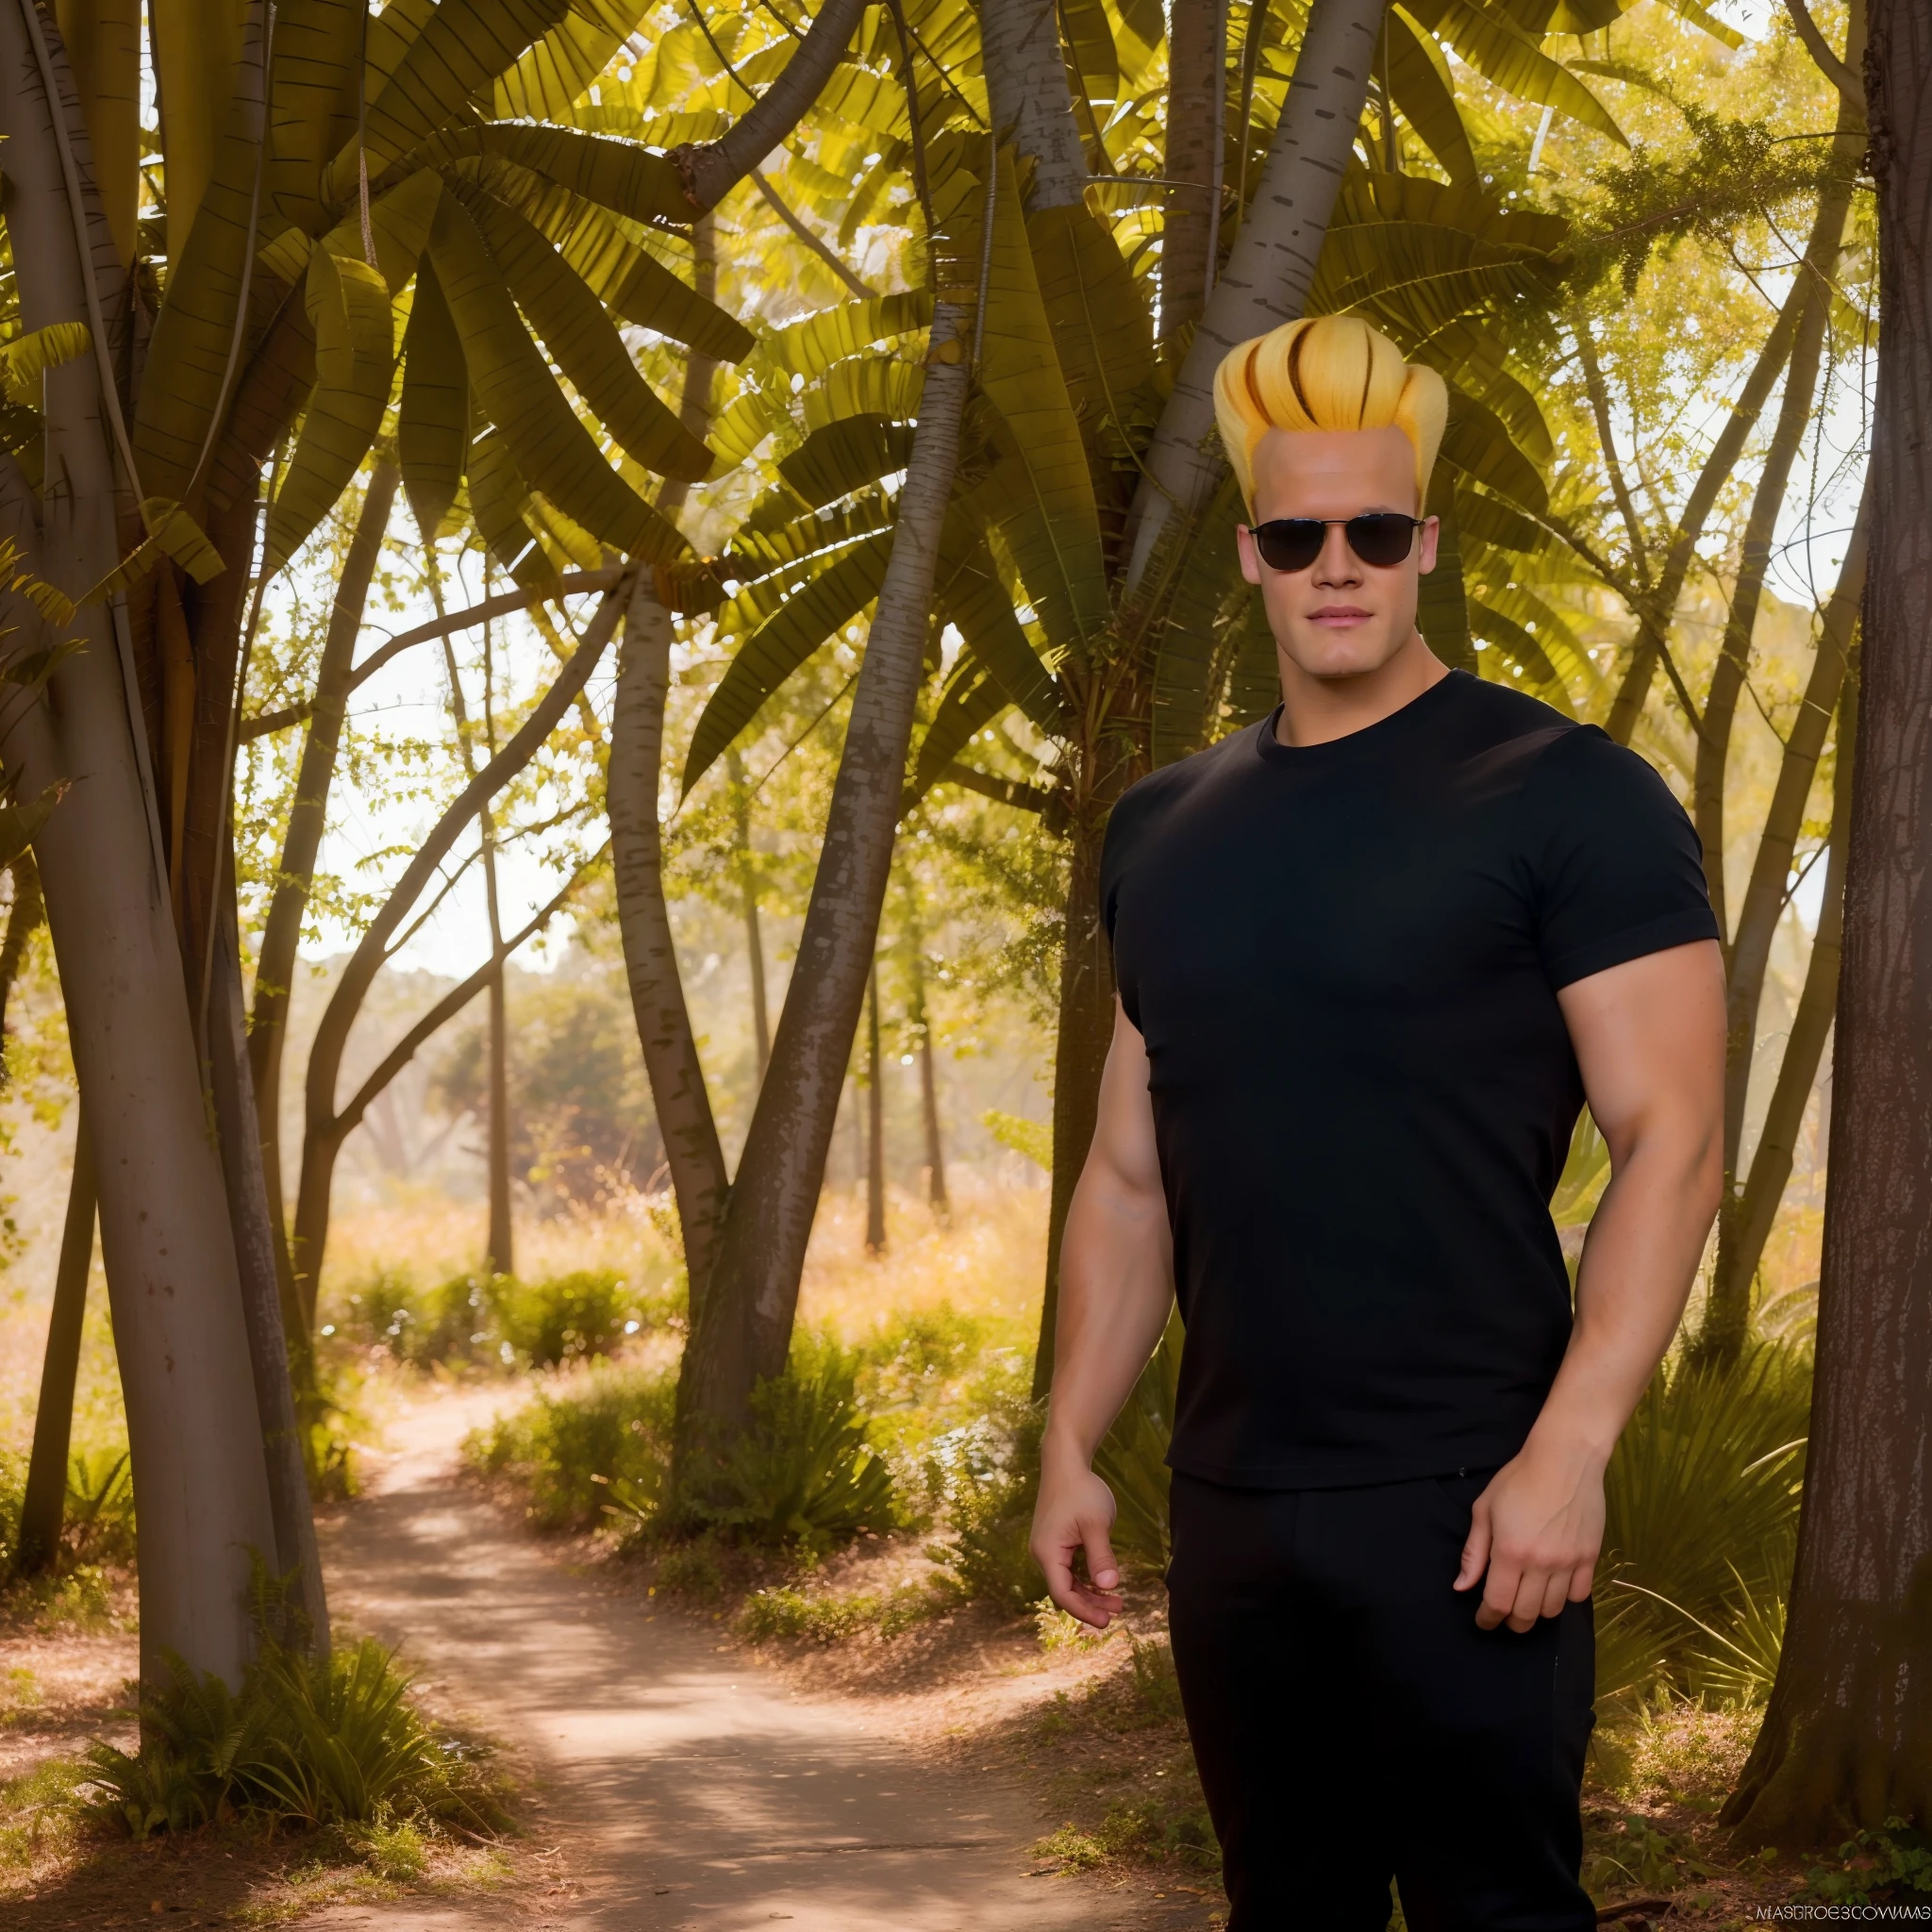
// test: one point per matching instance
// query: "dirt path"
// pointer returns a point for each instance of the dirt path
(685, 1785)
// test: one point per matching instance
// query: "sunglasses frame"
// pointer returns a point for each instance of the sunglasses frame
(1327, 524)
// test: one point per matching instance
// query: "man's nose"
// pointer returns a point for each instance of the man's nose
(1337, 563)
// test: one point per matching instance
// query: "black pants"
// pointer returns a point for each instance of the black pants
(1352, 1724)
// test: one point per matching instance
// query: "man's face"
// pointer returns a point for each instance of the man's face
(1340, 617)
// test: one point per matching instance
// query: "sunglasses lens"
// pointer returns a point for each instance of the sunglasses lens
(1381, 539)
(1289, 543)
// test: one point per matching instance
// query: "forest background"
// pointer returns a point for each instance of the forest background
(871, 340)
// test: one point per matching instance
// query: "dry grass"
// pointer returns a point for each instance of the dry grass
(422, 1231)
(987, 1260)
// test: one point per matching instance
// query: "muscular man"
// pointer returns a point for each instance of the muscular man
(1373, 955)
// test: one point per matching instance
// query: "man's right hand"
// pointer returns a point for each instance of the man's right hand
(1073, 1514)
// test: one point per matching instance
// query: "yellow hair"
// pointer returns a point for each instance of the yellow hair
(1333, 372)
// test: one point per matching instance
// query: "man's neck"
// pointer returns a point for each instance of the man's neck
(1316, 710)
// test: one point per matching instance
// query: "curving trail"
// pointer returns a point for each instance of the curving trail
(684, 1785)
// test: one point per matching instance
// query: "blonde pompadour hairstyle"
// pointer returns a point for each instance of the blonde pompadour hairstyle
(1330, 372)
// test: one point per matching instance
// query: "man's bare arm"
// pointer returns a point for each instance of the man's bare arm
(1650, 1040)
(1116, 1288)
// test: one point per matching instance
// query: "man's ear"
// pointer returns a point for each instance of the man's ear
(1432, 531)
(1251, 557)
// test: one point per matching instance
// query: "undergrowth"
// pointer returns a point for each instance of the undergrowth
(311, 1741)
(501, 1322)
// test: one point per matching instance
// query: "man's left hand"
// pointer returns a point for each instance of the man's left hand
(1537, 1530)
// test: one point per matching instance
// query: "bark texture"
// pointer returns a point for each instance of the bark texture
(698, 1177)
(1032, 108)
(741, 1328)
(1847, 1736)
(256, 1243)
(201, 1487)
(875, 1124)
(712, 170)
(1195, 58)
(1270, 267)
(43, 1503)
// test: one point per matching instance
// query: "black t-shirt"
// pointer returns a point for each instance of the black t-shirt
(1344, 960)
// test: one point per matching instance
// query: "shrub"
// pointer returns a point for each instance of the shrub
(603, 1446)
(317, 1741)
(501, 1319)
(387, 1311)
(987, 1475)
(806, 1472)
(1703, 1495)
(568, 1318)
(792, 1613)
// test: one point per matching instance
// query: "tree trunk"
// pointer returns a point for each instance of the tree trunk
(1847, 1736)
(500, 1255)
(1086, 1030)
(23, 919)
(748, 884)
(1195, 58)
(742, 1330)
(256, 1239)
(42, 1507)
(1794, 419)
(712, 170)
(875, 1124)
(1827, 230)
(324, 1128)
(1746, 1227)
(698, 1179)
(928, 1075)
(281, 936)
(1026, 92)
(201, 1489)
(1740, 1238)
(1269, 268)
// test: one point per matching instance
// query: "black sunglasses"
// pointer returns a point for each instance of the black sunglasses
(1380, 537)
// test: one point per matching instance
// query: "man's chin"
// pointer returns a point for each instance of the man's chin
(1338, 658)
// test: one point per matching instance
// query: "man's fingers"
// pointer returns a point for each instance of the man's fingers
(1580, 1580)
(1556, 1593)
(1100, 1568)
(1475, 1551)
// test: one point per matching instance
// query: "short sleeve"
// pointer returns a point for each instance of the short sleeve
(1125, 832)
(1618, 868)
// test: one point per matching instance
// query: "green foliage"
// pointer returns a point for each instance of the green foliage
(1732, 171)
(1702, 1494)
(806, 1472)
(313, 1741)
(567, 1318)
(608, 1435)
(1890, 1866)
(986, 1475)
(501, 1319)
(836, 1619)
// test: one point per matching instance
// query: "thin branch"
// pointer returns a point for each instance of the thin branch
(453, 1001)
(1600, 406)
(1013, 791)
(506, 604)
(811, 240)
(1834, 69)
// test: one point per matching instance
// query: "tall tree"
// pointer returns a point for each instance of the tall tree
(1847, 1734)
(875, 1122)
(43, 1502)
